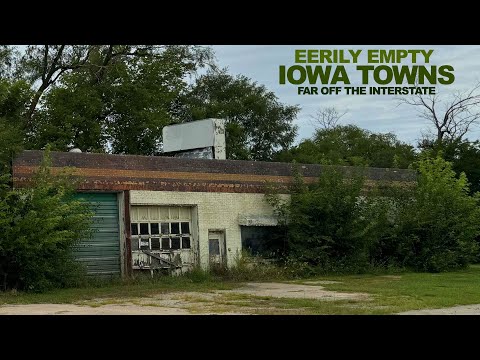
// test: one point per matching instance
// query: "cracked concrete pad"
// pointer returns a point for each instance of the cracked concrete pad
(182, 303)
(297, 291)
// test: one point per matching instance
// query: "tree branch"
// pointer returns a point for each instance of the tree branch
(458, 116)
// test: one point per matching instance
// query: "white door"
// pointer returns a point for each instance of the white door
(216, 248)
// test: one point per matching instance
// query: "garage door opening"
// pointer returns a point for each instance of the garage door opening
(162, 238)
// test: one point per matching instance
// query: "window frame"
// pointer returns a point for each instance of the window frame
(142, 238)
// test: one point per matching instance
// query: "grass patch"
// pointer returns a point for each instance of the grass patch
(388, 294)
(410, 291)
(141, 286)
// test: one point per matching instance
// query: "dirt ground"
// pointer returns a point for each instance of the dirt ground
(184, 303)
(456, 310)
(253, 298)
(71, 309)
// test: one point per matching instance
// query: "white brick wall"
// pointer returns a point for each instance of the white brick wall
(215, 211)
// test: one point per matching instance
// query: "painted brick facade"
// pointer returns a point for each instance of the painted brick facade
(128, 172)
(217, 211)
(221, 191)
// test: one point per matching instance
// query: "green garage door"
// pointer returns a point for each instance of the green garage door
(101, 253)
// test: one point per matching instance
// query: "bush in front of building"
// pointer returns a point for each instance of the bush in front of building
(432, 226)
(438, 228)
(325, 229)
(39, 227)
(334, 226)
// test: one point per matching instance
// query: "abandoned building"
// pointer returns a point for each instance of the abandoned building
(190, 207)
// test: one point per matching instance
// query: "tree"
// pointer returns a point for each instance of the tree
(351, 145)
(327, 118)
(45, 65)
(116, 99)
(89, 75)
(257, 124)
(438, 227)
(460, 112)
(8, 55)
(40, 227)
(13, 96)
(463, 154)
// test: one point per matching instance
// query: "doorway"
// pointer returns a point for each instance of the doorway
(216, 248)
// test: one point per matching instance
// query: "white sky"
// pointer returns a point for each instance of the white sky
(379, 113)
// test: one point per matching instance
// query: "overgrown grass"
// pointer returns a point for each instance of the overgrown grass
(252, 268)
(408, 291)
(388, 293)
(141, 285)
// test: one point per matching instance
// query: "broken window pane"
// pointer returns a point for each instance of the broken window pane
(185, 243)
(143, 229)
(185, 228)
(155, 244)
(165, 243)
(144, 244)
(176, 243)
(175, 228)
(134, 228)
(164, 228)
(135, 243)
(154, 229)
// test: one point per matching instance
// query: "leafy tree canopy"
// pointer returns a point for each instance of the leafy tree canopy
(118, 98)
(257, 124)
(463, 154)
(118, 101)
(351, 145)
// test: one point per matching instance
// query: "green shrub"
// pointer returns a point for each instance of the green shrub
(38, 227)
(437, 229)
(325, 226)
(332, 226)
(384, 206)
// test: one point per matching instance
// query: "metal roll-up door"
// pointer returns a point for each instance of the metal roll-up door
(101, 253)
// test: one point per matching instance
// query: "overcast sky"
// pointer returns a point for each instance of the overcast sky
(379, 113)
